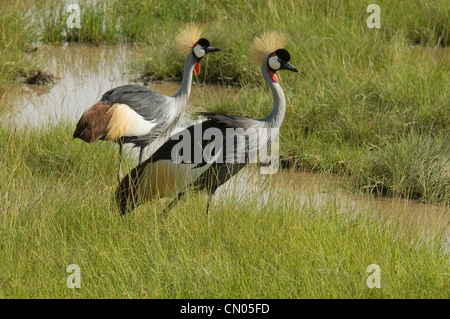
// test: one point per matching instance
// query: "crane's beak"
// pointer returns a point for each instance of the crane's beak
(212, 49)
(288, 66)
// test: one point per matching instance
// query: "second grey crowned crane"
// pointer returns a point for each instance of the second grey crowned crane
(136, 114)
(162, 175)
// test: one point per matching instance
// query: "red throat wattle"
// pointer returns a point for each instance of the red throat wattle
(273, 76)
(197, 68)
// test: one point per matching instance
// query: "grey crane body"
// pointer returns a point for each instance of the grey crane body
(145, 182)
(153, 106)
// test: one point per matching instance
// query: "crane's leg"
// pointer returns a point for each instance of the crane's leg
(172, 203)
(141, 154)
(119, 174)
(207, 204)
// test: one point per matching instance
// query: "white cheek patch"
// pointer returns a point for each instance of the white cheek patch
(198, 51)
(273, 63)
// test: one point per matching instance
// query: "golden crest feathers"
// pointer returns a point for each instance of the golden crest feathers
(266, 44)
(186, 38)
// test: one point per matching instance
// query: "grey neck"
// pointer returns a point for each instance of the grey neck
(182, 95)
(275, 118)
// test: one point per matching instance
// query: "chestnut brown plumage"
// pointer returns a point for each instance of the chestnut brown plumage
(93, 124)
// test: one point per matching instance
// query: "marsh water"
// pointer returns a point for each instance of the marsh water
(83, 73)
(86, 72)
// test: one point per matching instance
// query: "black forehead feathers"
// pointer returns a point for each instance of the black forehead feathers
(203, 42)
(283, 54)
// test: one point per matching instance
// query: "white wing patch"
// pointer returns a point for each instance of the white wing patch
(126, 122)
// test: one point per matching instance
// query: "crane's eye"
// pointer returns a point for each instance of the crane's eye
(199, 51)
(274, 62)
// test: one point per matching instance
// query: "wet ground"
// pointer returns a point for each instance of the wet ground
(86, 72)
(315, 189)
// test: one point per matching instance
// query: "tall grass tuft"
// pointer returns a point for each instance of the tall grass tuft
(413, 166)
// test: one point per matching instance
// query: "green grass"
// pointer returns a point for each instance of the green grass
(365, 104)
(57, 208)
(414, 166)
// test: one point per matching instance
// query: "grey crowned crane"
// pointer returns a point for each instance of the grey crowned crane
(168, 173)
(136, 114)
